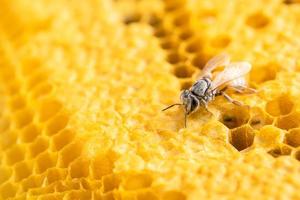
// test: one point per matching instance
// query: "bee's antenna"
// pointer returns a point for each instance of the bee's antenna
(175, 104)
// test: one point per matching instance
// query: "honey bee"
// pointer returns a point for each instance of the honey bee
(209, 85)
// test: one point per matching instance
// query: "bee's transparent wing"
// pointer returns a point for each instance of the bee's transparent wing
(231, 72)
(222, 59)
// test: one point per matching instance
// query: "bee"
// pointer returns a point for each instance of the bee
(208, 85)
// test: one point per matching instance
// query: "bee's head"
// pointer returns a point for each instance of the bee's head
(186, 100)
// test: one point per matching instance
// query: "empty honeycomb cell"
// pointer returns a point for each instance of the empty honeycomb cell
(29, 133)
(186, 84)
(36, 79)
(42, 90)
(45, 161)
(137, 181)
(269, 136)
(280, 150)
(5, 123)
(194, 45)
(234, 116)
(8, 190)
(242, 137)
(160, 32)
(184, 71)
(221, 41)
(174, 195)
(56, 174)
(168, 44)
(289, 2)
(132, 18)
(173, 5)
(62, 138)
(17, 102)
(264, 73)
(174, 58)
(280, 106)
(48, 108)
(13, 88)
(289, 121)
(5, 173)
(110, 182)
(79, 168)
(8, 138)
(181, 19)
(22, 170)
(56, 124)
(32, 181)
(102, 165)
(23, 117)
(154, 20)
(258, 118)
(38, 146)
(186, 34)
(147, 195)
(70, 153)
(297, 154)
(292, 138)
(199, 60)
(258, 20)
(15, 154)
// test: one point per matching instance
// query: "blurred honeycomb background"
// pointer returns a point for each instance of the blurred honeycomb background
(82, 85)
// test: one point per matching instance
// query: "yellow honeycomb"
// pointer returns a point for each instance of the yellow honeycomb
(82, 85)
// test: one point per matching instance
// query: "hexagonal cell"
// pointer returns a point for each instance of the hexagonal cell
(37, 78)
(48, 108)
(160, 32)
(281, 150)
(56, 124)
(45, 161)
(282, 105)
(172, 5)
(154, 20)
(242, 137)
(17, 102)
(102, 165)
(13, 88)
(297, 154)
(78, 195)
(110, 182)
(186, 84)
(29, 133)
(31, 182)
(137, 181)
(23, 117)
(290, 2)
(8, 138)
(8, 190)
(181, 18)
(38, 146)
(184, 71)
(221, 41)
(5, 173)
(174, 58)
(258, 118)
(194, 45)
(264, 73)
(61, 139)
(56, 174)
(258, 20)
(22, 170)
(15, 154)
(5, 123)
(174, 195)
(269, 136)
(185, 34)
(289, 121)
(234, 116)
(169, 43)
(42, 90)
(70, 153)
(292, 138)
(199, 60)
(79, 168)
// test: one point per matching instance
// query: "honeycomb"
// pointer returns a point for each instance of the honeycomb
(83, 83)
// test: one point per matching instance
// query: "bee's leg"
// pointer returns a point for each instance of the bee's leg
(228, 98)
(243, 89)
(205, 105)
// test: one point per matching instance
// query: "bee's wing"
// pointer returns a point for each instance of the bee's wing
(219, 60)
(231, 72)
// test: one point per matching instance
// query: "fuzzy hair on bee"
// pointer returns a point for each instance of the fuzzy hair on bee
(207, 87)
